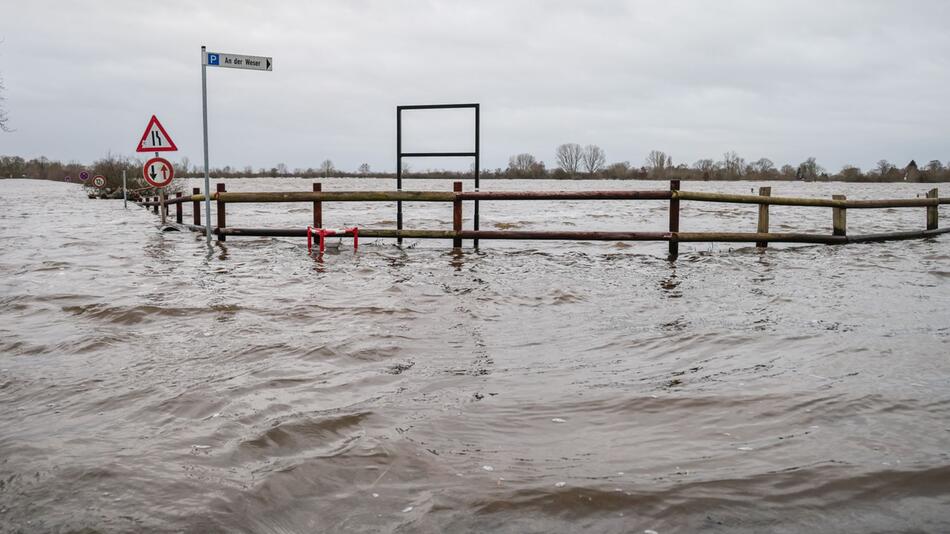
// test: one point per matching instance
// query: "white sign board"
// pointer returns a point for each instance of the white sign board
(155, 138)
(237, 61)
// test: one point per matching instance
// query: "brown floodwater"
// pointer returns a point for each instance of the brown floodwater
(150, 384)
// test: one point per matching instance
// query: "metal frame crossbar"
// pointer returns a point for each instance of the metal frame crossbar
(400, 154)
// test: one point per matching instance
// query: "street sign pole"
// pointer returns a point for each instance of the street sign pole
(204, 113)
(125, 194)
(233, 61)
(161, 200)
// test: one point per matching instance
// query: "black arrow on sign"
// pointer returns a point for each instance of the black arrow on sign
(268, 64)
(152, 171)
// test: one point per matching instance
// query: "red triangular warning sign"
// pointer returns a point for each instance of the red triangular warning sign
(155, 138)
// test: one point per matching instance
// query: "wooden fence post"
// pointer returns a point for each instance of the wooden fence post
(222, 218)
(763, 216)
(317, 207)
(839, 217)
(155, 206)
(178, 214)
(457, 215)
(196, 206)
(932, 223)
(674, 221)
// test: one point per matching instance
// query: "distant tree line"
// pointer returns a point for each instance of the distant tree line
(572, 162)
(590, 162)
(111, 167)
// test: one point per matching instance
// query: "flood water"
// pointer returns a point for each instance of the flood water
(149, 384)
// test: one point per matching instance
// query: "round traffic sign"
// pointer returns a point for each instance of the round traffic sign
(68, 179)
(158, 172)
(84, 176)
(99, 181)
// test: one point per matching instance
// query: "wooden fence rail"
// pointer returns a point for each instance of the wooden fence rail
(761, 237)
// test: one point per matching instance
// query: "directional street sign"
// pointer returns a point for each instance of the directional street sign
(99, 181)
(155, 138)
(233, 61)
(238, 61)
(158, 172)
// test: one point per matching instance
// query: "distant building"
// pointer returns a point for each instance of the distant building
(911, 173)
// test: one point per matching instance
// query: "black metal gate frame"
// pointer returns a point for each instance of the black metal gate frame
(400, 154)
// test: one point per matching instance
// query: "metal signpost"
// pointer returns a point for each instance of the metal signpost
(125, 195)
(233, 61)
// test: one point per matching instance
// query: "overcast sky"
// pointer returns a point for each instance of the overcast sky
(846, 81)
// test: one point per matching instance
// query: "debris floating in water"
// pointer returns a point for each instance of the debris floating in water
(560, 484)
(745, 448)
(407, 509)
(488, 468)
(558, 420)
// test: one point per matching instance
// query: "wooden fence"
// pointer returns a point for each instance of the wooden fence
(761, 237)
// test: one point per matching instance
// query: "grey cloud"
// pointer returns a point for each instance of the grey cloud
(848, 81)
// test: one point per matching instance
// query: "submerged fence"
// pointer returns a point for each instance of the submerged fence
(762, 236)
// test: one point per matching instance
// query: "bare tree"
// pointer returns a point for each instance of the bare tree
(658, 163)
(594, 158)
(705, 165)
(569, 157)
(810, 169)
(884, 167)
(525, 166)
(850, 173)
(762, 166)
(521, 163)
(732, 165)
(185, 164)
(364, 169)
(537, 170)
(327, 168)
(4, 119)
(618, 170)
